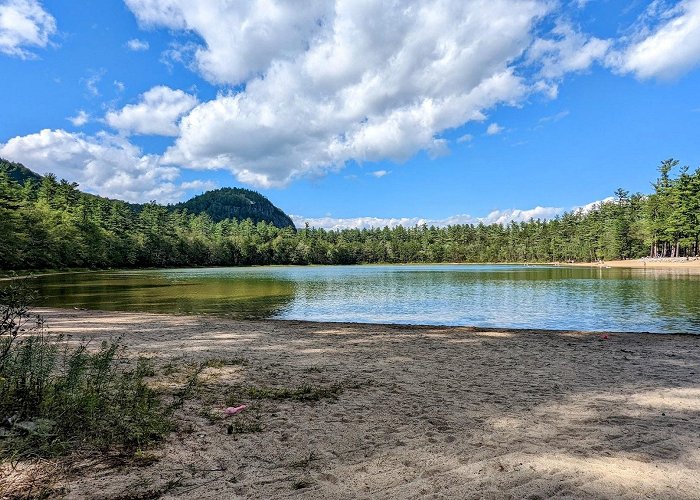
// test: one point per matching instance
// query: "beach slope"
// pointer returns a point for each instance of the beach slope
(403, 412)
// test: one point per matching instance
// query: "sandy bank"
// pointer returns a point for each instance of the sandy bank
(693, 264)
(424, 412)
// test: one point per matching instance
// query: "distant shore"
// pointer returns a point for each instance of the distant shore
(646, 263)
(402, 411)
(661, 263)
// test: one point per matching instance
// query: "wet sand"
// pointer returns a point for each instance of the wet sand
(424, 412)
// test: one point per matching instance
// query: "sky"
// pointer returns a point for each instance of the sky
(354, 113)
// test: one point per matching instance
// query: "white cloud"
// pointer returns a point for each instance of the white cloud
(380, 173)
(567, 50)
(103, 164)
(137, 45)
(518, 215)
(156, 113)
(119, 86)
(24, 23)
(494, 217)
(329, 82)
(555, 117)
(242, 37)
(92, 81)
(667, 50)
(198, 185)
(594, 204)
(548, 88)
(494, 129)
(335, 224)
(80, 119)
(465, 138)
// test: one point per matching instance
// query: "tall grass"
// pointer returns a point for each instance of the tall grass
(57, 397)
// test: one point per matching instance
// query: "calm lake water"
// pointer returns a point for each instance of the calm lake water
(493, 296)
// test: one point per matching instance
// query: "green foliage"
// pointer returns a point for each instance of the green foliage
(56, 397)
(56, 226)
(236, 203)
(18, 172)
(302, 393)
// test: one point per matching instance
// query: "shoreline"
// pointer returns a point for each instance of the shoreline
(646, 263)
(358, 324)
(420, 411)
(643, 263)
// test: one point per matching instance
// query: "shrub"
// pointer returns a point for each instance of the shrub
(56, 397)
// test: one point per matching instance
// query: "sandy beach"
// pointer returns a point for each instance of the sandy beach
(411, 412)
(668, 263)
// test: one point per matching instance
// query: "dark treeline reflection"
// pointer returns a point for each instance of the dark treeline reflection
(248, 297)
(53, 225)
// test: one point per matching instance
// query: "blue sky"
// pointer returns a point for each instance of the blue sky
(352, 113)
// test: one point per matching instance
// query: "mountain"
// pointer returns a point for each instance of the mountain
(220, 204)
(18, 172)
(236, 203)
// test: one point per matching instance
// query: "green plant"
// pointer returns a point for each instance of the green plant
(301, 393)
(14, 315)
(245, 425)
(55, 397)
(190, 384)
(220, 363)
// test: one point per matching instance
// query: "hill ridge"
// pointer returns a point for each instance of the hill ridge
(222, 203)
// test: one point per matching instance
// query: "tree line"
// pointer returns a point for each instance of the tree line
(51, 225)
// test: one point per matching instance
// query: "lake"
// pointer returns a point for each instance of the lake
(542, 297)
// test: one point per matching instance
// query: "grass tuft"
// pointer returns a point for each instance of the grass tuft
(56, 398)
(305, 393)
(220, 363)
(300, 484)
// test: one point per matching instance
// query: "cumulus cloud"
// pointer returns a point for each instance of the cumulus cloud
(495, 217)
(80, 119)
(566, 50)
(156, 113)
(494, 129)
(137, 45)
(465, 138)
(103, 164)
(24, 23)
(328, 82)
(594, 204)
(667, 50)
(199, 185)
(242, 37)
(380, 173)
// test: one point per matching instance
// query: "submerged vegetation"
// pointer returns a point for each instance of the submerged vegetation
(50, 224)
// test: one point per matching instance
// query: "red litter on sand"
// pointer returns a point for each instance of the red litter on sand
(603, 337)
(232, 410)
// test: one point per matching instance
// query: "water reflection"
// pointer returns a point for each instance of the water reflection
(494, 296)
(184, 292)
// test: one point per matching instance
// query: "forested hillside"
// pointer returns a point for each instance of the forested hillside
(236, 203)
(53, 225)
(18, 172)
